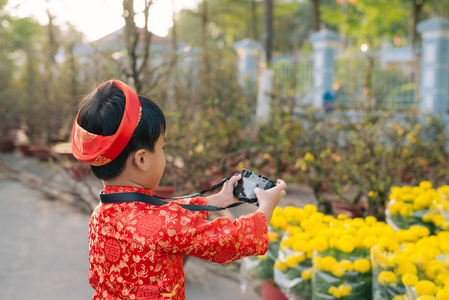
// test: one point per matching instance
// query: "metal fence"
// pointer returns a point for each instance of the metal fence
(293, 77)
(372, 80)
(375, 81)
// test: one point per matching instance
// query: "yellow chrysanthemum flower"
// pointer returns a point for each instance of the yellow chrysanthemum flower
(278, 221)
(309, 157)
(406, 210)
(443, 294)
(307, 274)
(362, 265)
(280, 265)
(345, 289)
(425, 185)
(347, 264)
(433, 270)
(425, 287)
(425, 297)
(409, 279)
(405, 268)
(326, 263)
(442, 278)
(370, 241)
(319, 244)
(309, 208)
(420, 231)
(370, 220)
(387, 277)
(293, 260)
(342, 290)
(346, 244)
(273, 236)
(338, 270)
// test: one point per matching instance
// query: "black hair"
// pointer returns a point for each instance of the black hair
(101, 113)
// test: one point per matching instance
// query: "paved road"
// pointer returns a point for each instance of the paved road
(44, 252)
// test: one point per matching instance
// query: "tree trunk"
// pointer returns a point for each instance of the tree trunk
(316, 15)
(268, 30)
(50, 65)
(147, 35)
(416, 11)
(204, 20)
(174, 31)
(253, 33)
(132, 39)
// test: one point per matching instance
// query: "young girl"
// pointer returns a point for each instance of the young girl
(136, 249)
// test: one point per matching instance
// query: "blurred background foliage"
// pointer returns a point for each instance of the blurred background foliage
(211, 130)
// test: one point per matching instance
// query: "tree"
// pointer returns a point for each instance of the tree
(18, 59)
(368, 21)
(316, 14)
(133, 36)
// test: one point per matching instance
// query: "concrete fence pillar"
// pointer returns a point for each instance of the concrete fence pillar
(249, 52)
(264, 91)
(434, 89)
(324, 42)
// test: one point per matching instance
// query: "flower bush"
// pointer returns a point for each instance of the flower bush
(323, 256)
(293, 267)
(386, 284)
(430, 277)
(342, 267)
(417, 205)
(356, 159)
(261, 268)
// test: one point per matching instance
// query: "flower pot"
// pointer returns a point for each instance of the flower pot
(63, 152)
(25, 149)
(164, 191)
(6, 144)
(41, 152)
(343, 208)
(272, 292)
(79, 170)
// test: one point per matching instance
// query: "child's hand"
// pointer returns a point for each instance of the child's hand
(269, 199)
(226, 196)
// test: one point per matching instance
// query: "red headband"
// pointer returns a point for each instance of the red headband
(99, 150)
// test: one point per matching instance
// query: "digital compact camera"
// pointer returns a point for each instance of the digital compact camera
(244, 188)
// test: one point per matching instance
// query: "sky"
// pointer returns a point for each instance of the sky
(97, 18)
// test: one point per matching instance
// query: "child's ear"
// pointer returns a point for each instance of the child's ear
(140, 159)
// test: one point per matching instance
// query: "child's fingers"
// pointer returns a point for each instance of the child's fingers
(281, 185)
(283, 193)
(235, 178)
(232, 181)
(280, 188)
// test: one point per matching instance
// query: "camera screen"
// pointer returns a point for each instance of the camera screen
(249, 186)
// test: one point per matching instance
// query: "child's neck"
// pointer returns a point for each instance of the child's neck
(122, 182)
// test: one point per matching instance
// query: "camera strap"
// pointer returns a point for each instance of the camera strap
(156, 200)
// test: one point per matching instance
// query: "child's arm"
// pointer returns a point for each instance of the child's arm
(222, 199)
(268, 199)
(223, 240)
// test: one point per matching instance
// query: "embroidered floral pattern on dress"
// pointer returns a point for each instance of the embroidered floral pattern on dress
(136, 249)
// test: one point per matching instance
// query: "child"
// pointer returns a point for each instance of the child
(136, 249)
